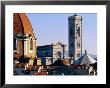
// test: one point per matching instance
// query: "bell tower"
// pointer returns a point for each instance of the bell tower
(75, 36)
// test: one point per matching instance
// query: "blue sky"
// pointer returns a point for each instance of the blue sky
(50, 28)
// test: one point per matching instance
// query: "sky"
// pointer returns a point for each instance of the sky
(53, 27)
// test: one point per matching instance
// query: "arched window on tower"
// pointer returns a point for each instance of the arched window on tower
(78, 55)
(31, 44)
(78, 45)
(78, 31)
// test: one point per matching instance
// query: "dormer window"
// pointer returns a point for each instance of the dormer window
(31, 44)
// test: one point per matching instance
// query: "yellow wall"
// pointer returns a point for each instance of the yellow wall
(29, 54)
(38, 62)
(19, 49)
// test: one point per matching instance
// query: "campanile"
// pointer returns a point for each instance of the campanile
(75, 36)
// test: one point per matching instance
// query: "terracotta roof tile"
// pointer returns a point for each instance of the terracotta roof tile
(22, 24)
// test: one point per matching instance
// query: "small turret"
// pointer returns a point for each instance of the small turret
(85, 52)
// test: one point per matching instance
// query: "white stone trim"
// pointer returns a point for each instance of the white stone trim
(17, 48)
(23, 39)
(31, 51)
(18, 45)
(25, 47)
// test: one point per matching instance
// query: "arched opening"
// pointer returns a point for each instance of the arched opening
(31, 44)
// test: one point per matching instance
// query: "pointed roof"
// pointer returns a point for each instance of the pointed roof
(88, 60)
(85, 59)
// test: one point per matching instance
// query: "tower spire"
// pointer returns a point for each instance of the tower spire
(75, 14)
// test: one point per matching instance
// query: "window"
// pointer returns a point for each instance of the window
(78, 54)
(59, 54)
(78, 31)
(15, 43)
(78, 44)
(31, 44)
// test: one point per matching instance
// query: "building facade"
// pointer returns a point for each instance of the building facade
(58, 51)
(24, 41)
(75, 36)
(45, 51)
(54, 51)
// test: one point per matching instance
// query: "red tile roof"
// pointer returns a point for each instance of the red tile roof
(22, 24)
